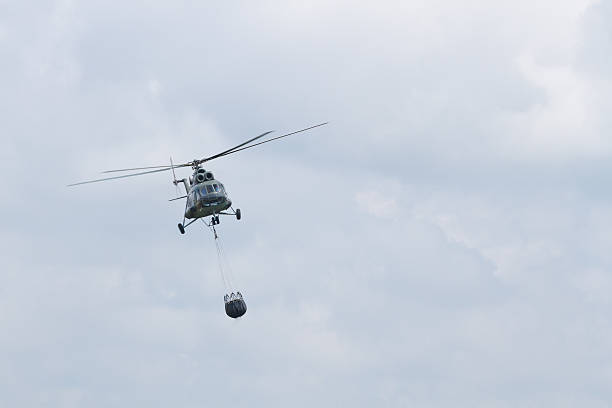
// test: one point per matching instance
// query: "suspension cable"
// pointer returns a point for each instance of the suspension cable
(226, 282)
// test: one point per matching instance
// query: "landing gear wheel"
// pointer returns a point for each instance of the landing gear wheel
(217, 219)
(181, 228)
(238, 214)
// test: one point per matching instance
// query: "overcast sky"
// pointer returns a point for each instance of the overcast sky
(444, 241)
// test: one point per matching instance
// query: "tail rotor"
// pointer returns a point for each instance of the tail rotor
(174, 180)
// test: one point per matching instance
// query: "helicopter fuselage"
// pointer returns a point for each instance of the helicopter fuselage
(206, 198)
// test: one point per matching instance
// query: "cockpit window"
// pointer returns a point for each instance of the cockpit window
(203, 191)
(216, 187)
(209, 188)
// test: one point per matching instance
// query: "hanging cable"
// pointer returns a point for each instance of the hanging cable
(228, 267)
(235, 305)
(226, 283)
(223, 268)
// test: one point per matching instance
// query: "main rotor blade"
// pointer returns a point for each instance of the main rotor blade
(118, 177)
(140, 168)
(235, 147)
(270, 140)
(158, 169)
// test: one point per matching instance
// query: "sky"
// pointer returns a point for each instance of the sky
(443, 241)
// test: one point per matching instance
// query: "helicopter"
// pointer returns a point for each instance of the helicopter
(205, 196)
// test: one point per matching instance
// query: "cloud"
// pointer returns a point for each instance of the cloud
(444, 240)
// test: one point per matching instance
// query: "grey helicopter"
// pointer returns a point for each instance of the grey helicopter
(205, 196)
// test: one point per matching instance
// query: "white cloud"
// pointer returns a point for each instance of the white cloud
(444, 241)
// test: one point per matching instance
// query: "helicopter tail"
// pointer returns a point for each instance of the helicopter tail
(174, 181)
